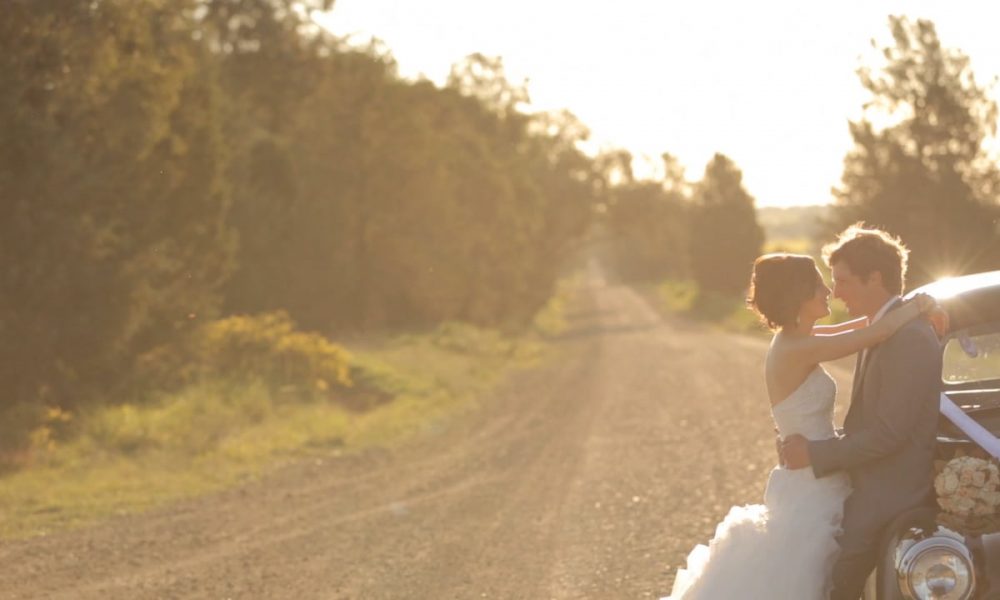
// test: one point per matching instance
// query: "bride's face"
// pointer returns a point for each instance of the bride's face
(818, 306)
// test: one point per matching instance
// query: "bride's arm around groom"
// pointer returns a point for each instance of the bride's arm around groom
(902, 386)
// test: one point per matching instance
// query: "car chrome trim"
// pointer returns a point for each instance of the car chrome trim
(942, 538)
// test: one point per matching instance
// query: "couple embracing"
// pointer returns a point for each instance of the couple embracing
(816, 536)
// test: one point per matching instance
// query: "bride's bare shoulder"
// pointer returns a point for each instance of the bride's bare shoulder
(782, 370)
(787, 351)
(782, 349)
(774, 362)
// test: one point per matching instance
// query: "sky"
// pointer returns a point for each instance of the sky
(771, 83)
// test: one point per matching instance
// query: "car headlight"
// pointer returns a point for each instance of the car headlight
(938, 568)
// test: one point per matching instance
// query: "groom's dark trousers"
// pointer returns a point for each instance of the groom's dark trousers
(887, 447)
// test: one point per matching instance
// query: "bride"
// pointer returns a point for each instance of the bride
(786, 547)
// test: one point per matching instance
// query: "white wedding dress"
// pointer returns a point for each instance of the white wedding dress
(786, 547)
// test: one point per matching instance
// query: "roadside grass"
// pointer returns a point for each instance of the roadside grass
(133, 456)
(685, 299)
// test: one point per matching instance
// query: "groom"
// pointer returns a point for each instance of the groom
(887, 444)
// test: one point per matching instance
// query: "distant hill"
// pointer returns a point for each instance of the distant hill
(794, 227)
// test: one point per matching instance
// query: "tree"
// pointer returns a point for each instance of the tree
(114, 237)
(406, 204)
(483, 77)
(725, 235)
(267, 68)
(926, 175)
(648, 220)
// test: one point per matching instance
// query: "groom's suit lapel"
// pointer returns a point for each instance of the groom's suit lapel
(861, 369)
(855, 407)
(856, 381)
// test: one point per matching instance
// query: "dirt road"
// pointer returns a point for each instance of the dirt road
(590, 477)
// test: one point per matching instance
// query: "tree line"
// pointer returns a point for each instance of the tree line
(169, 163)
(166, 164)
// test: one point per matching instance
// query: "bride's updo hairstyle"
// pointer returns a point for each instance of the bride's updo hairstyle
(779, 285)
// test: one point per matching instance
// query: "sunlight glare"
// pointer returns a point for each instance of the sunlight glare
(770, 84)
(948, 287)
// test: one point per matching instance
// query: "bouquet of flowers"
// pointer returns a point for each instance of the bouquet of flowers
(968, 486)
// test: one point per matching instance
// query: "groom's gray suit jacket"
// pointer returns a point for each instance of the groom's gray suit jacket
(887, 446)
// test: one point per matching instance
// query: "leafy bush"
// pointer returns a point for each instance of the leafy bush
(267, 346)
(245, 348)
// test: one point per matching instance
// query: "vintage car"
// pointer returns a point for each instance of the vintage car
(932, 553)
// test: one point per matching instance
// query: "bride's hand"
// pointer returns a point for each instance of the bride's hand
(931, 311)
(939, 319)
(925, 303)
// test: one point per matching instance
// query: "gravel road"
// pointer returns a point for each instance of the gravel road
(589, 477)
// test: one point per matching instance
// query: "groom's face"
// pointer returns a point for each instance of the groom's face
(862, 297)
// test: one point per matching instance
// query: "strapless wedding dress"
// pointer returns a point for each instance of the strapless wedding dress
(786, 547)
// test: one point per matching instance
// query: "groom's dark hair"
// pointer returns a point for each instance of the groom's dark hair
(866, 250)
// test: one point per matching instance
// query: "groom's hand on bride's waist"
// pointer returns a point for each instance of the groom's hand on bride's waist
(795, 452)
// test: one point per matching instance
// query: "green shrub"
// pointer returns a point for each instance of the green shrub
(245, 348)
(268, 347)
